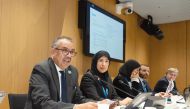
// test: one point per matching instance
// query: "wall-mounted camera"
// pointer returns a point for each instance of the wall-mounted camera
(124, 7)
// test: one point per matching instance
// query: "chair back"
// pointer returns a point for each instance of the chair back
(17, 101)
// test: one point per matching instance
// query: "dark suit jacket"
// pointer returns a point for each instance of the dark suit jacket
(44, 87)
(130, 92)
(162, 84)
(146, 86)
(92, 88)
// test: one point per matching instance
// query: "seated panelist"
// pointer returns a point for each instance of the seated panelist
(96, 82)
(128, 79)
(144, 72)
(167, 83)
(53, 83)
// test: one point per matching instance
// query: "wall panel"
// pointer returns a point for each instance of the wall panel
(23, 42)
(188, 53)
(169, 52)
(56, 11)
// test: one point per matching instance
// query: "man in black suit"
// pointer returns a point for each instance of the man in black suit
(144, 72)
(54, 82)
(167, 83)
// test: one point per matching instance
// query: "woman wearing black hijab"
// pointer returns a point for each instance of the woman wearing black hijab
(128, 79)
(92, 85)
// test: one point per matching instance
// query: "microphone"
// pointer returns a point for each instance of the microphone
(97, 78)
(120, 81)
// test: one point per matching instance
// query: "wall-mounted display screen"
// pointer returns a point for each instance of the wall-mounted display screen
(102, 31)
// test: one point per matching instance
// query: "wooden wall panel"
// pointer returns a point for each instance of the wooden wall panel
(57, 9)
(169, 52)
(23, 42)
(70, 28)
(188, 53)
(142, 42)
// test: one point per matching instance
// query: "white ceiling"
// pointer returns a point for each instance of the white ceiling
(163, 11)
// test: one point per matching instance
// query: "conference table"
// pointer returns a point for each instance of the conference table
(177, 102)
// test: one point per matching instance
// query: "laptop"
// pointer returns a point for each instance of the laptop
(140, 98)
(150, 101)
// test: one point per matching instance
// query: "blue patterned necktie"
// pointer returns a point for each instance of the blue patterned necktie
(144, 86)
(63, 86)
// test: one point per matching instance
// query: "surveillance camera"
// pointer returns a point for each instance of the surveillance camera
(128, 10)
(124, 7)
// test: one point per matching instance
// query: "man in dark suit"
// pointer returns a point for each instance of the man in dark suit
(167, 83)
(54, 82)
(144, 72)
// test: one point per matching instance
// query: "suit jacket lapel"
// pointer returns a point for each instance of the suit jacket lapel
(54, 75)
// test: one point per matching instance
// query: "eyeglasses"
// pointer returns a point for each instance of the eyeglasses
(66, 51)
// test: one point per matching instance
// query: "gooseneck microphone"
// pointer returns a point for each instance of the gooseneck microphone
(120, 81)
(99, 79)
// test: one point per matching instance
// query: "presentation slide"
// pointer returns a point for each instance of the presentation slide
(106, 33)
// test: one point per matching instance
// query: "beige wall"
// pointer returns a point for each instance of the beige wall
(27, 27)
